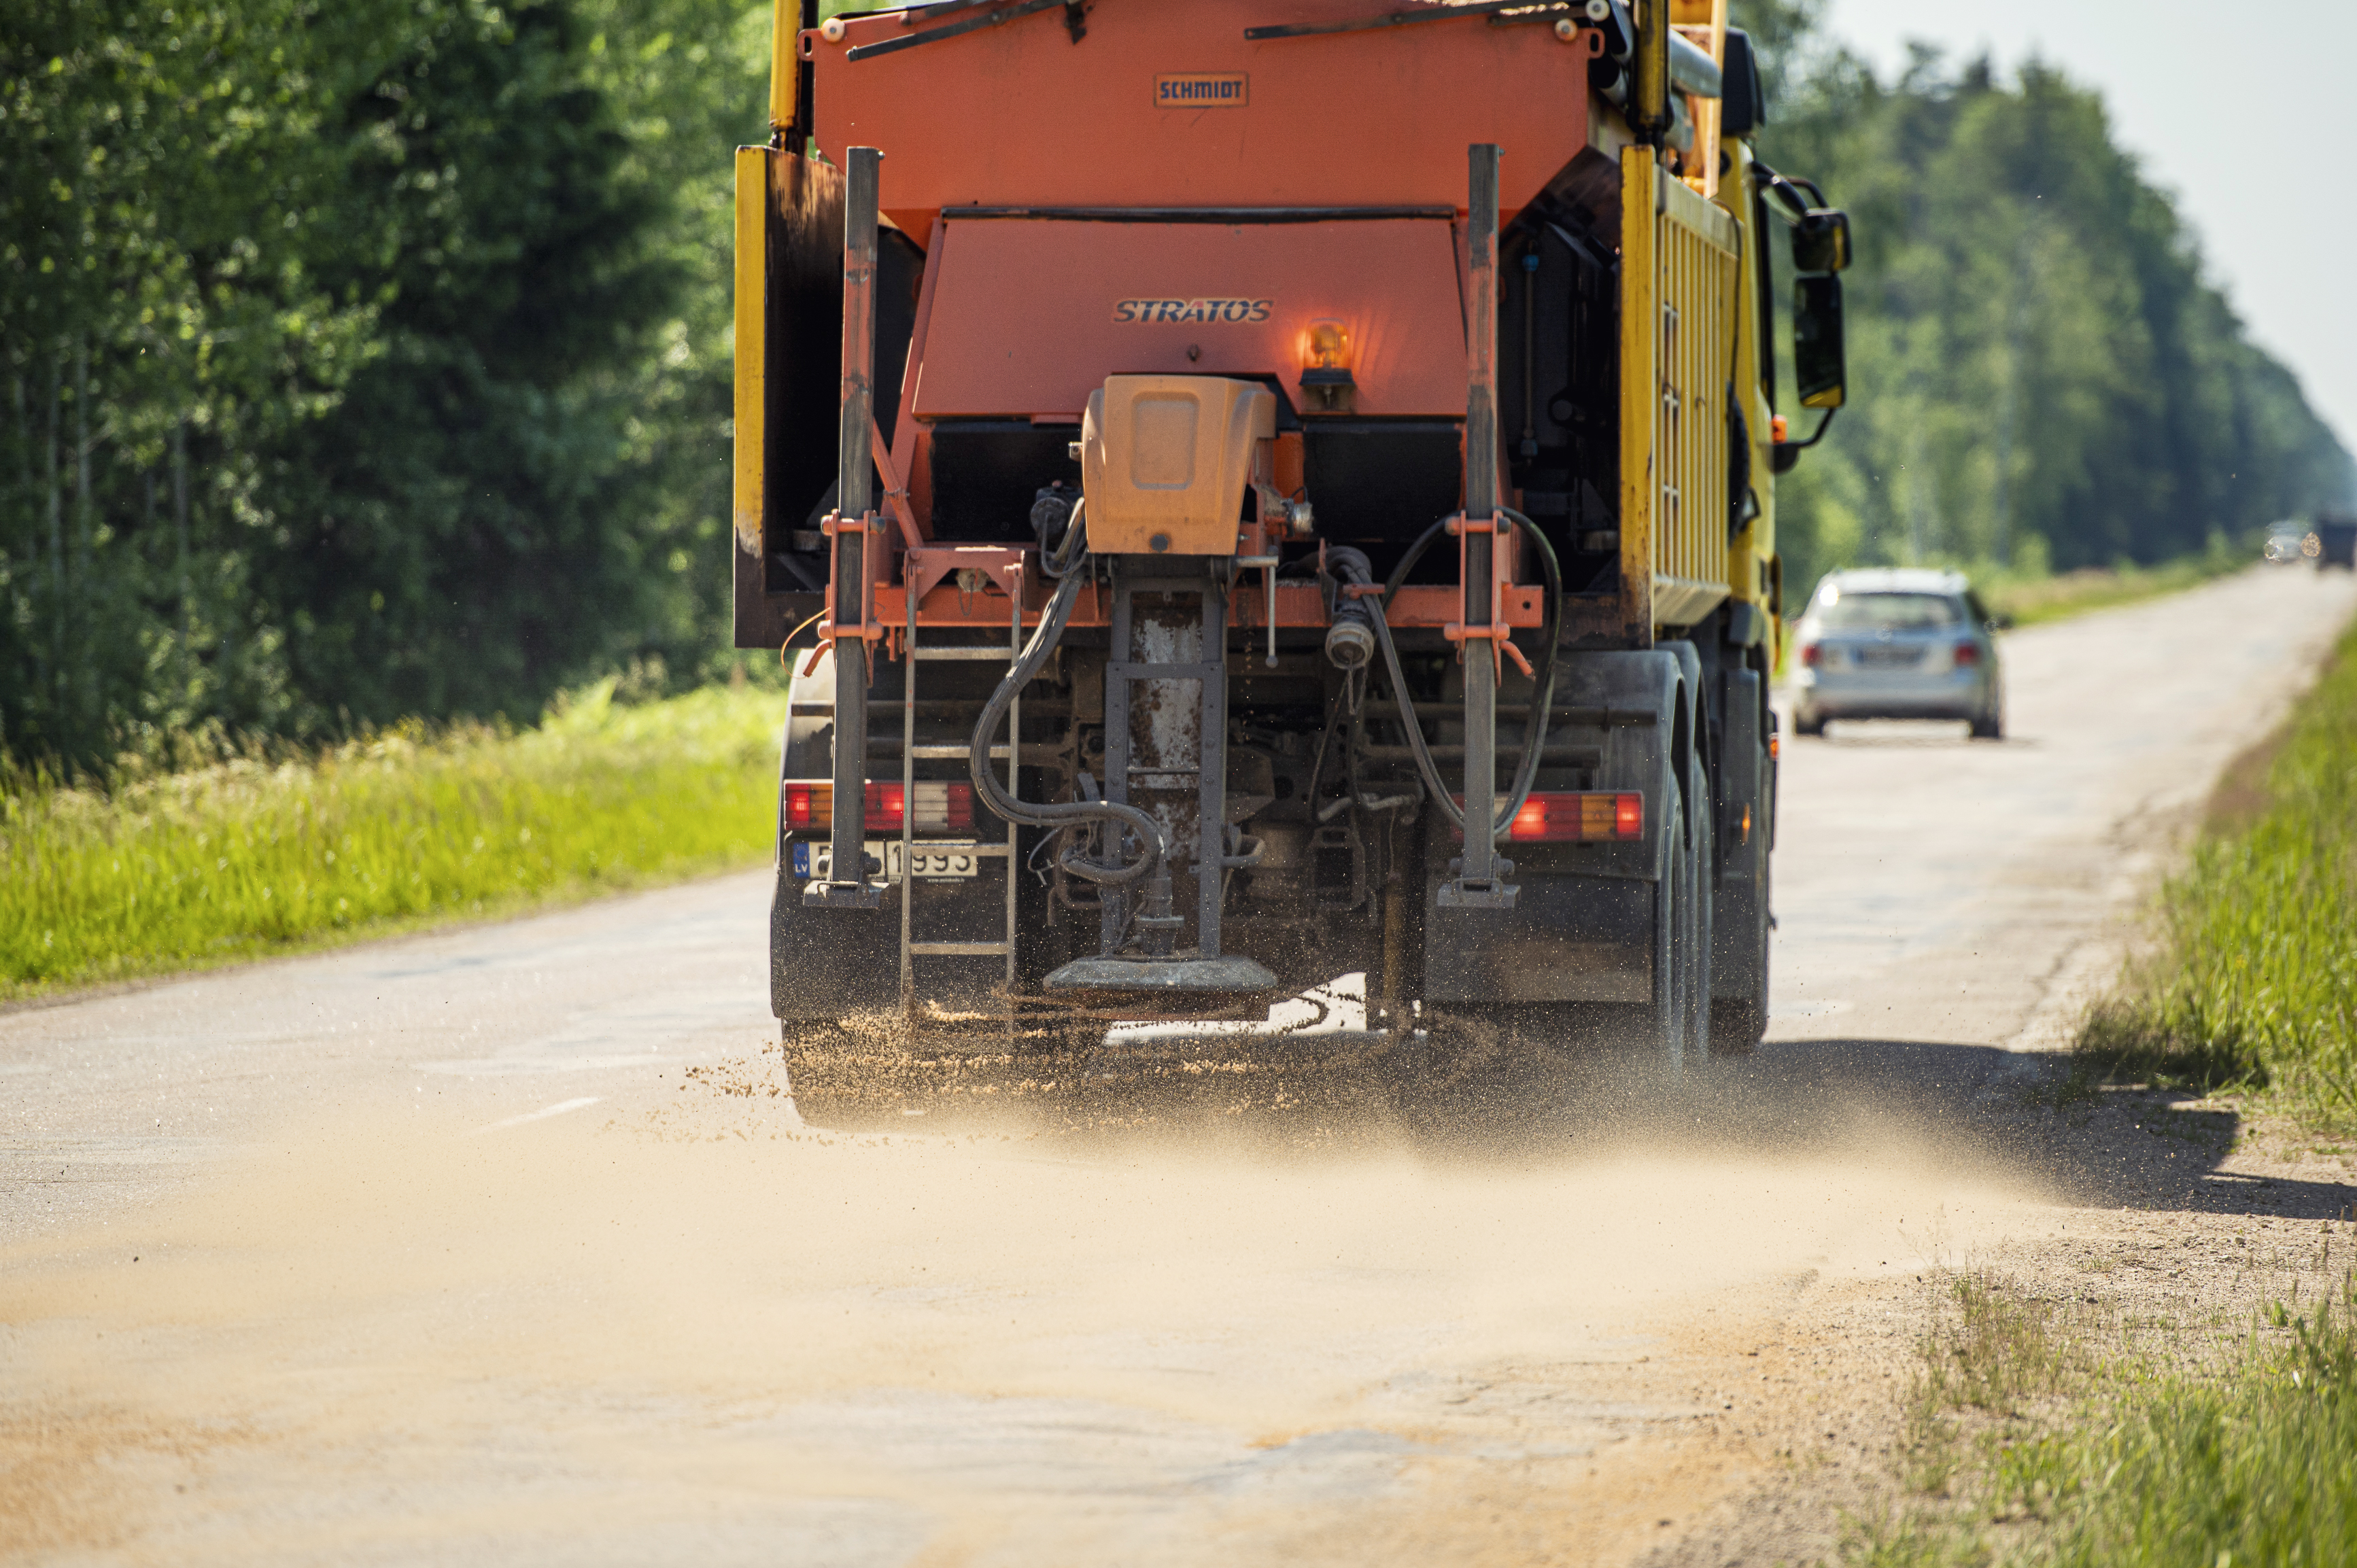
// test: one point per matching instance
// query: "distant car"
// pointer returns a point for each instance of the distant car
(2288, 544)
(1898, 645)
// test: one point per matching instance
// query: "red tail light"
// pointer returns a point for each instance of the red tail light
(1809, 654)
(1968, 654)
(1575, 817)
(940, 807)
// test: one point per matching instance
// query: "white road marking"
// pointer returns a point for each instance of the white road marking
(559, 1108)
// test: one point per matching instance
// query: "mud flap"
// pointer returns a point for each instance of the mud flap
(825, 963)
(1583, 927)
(1568, 939)
(1741, 778)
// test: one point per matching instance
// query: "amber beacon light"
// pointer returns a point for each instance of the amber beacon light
(1325, 367)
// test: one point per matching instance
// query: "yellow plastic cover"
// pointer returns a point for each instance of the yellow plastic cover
(1165, 460)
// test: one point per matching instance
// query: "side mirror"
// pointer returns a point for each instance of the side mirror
(1743, 104)
(1818, 362)
(1820, 240)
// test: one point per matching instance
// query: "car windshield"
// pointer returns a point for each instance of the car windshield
(1888, 612)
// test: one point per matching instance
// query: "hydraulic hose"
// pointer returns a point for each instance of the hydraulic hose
(996, 795)
(1534, 725)
(1351, 638)
(1069, 549)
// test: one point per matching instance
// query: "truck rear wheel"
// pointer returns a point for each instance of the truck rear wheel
(1668, 1033)
(1738, 1023)
(1702, 903)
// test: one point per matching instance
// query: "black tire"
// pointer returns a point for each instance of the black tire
(1669, 1018)
(1738, 1023)
(1989, 724)
(1702, 903)
(1808, 724)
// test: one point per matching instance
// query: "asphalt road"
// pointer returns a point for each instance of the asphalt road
(503, 1245)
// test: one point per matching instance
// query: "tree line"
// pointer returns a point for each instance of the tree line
(361, 360)
(371, 360)
(2042, 373)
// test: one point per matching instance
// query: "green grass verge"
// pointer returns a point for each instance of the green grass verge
(257, 855)
(2030, 601)
(2253, 982)
(2251, 1466)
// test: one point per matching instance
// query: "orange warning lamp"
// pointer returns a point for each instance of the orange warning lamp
(1329, 346)
(1326, 368)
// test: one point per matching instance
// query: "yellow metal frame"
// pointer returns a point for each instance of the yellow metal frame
(1640, 179)
(1696, 258)
(785, 61)
(752, 408)
(1681, 316)
(1750, 574)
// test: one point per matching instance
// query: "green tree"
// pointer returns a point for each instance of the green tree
(2041, 370)
(455, 535)
(161, 176)
(358, 362)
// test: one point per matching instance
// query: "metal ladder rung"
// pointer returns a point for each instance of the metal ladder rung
(1010, 755)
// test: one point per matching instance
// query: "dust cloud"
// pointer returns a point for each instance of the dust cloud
(1078, 1310)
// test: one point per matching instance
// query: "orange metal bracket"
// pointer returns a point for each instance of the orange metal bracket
(927, 565)
(1500, 632)
(862, 624)
(896, 495)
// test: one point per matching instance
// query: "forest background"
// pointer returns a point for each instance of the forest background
(370, 361)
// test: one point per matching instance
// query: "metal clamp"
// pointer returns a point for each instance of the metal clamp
(1498, 633)
(863, 626)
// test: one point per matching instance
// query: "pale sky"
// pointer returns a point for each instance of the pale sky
(2246, 113)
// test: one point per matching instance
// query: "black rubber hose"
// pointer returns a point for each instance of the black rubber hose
(1071, 547)
(1415, 553)
(1534, 726)
(1536, 719)
(1035, 653)
(1350, 567)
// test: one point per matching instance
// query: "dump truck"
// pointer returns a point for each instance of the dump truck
(1301, 505)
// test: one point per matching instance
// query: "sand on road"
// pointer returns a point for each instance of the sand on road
(506, 1244)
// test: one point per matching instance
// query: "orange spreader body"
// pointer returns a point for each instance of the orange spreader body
(1020, 115)
(1164, 196)
(1031, 316)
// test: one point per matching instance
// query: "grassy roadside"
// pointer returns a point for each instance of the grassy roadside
(2253, 981)
(2033, 601)
(256, 856)
(2041, 1432)
(2050, 1432)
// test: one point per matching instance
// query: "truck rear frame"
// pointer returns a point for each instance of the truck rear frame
(1215, 530)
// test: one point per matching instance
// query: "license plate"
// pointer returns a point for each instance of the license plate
(934, 861)
(1887, 658)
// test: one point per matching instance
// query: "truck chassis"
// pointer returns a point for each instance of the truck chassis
(1181, 703)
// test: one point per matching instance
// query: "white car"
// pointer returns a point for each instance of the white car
(2288, 544)
(1897, 644)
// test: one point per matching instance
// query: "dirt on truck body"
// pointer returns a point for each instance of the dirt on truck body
(1270, 435)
